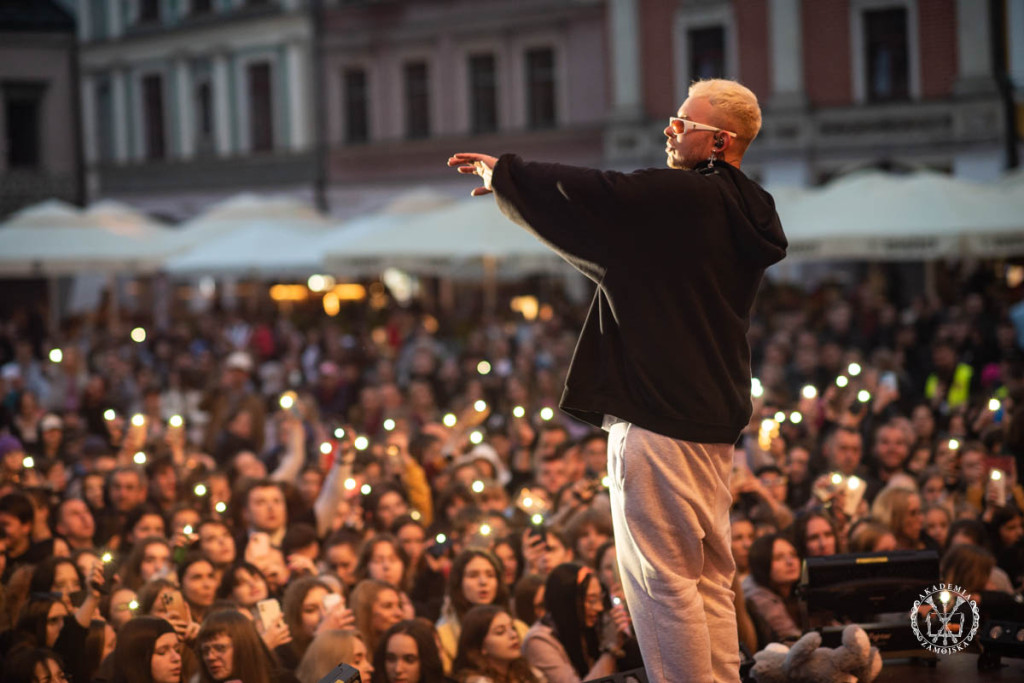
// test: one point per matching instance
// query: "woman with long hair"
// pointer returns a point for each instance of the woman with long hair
(1005, 526)
(145, 521)
(742, 536)
(149, 559)
(900, 509)
(198, 584)
(147, 651)
(60, 576)
(42, 620)
(565, 646)
(475, 579)
(528, 600)
(382, 558)
(330, 647)
(33, 665)
(490, 647)
(968, 566)
(163, 598)
(774, 572)
(407, 653)
(385, 504)
(870, 536)
(216, 543)
(815, 535)
(99, 643)
(230, 648)
(47, 620)
(304, 611)
(245, 584)
(511, 559)
(377, 608)
(937, 520)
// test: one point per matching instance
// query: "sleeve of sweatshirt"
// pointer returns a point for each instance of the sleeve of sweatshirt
(565, 207)
(583, 214)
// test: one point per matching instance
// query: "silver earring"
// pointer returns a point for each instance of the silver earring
(711, 160)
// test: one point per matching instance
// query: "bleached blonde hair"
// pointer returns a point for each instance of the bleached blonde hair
(736, 102)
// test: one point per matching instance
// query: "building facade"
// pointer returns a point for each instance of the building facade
(40, 141)
(406, 84)
(842, 83)
(187, 101)
(183, 100)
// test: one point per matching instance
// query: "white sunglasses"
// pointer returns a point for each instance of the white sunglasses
(682, 126)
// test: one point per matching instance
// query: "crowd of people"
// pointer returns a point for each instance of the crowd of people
(243, 497)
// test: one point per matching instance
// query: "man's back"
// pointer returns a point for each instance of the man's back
(678, 257)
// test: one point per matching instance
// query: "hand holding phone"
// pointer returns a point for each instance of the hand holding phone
(332, 600)
(997, 487)
(174, 605)
(269, 611)
(258, 547)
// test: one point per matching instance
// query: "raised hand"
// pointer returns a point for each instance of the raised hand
(276, 634)
(339, 618)
(478, 164)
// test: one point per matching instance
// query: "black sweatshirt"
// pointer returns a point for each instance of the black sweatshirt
(677, 257)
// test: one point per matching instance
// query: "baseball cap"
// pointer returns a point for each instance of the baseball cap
(239, 360)
(50, 421)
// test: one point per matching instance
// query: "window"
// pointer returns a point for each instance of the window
(540, 88)
(417, 100)
(886, 55)
(204, 116)
(356, 105)
(707, 52)
(261, 109)
(105, 120)
(483, 94)
(149, 10)
(23, 109)
(153, 113)
(202, 6)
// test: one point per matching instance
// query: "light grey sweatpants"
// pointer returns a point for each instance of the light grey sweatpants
(670, 508)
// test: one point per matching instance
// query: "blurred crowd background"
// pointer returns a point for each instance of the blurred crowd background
(388, 475)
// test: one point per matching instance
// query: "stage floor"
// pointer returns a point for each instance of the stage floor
(958, 668)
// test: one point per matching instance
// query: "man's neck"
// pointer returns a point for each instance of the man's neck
(276, 537)
(885, 474)
(79, 543)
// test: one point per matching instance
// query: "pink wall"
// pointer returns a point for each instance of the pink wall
(827, 69)
(754, 49)
(937, 23)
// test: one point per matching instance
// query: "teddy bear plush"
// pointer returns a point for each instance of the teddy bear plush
(855, 661)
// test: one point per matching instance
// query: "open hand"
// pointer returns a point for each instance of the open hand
(479, 164)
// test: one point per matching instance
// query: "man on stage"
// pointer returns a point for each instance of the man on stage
(663, 361)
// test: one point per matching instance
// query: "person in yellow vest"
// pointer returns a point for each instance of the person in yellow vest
(949, 386)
